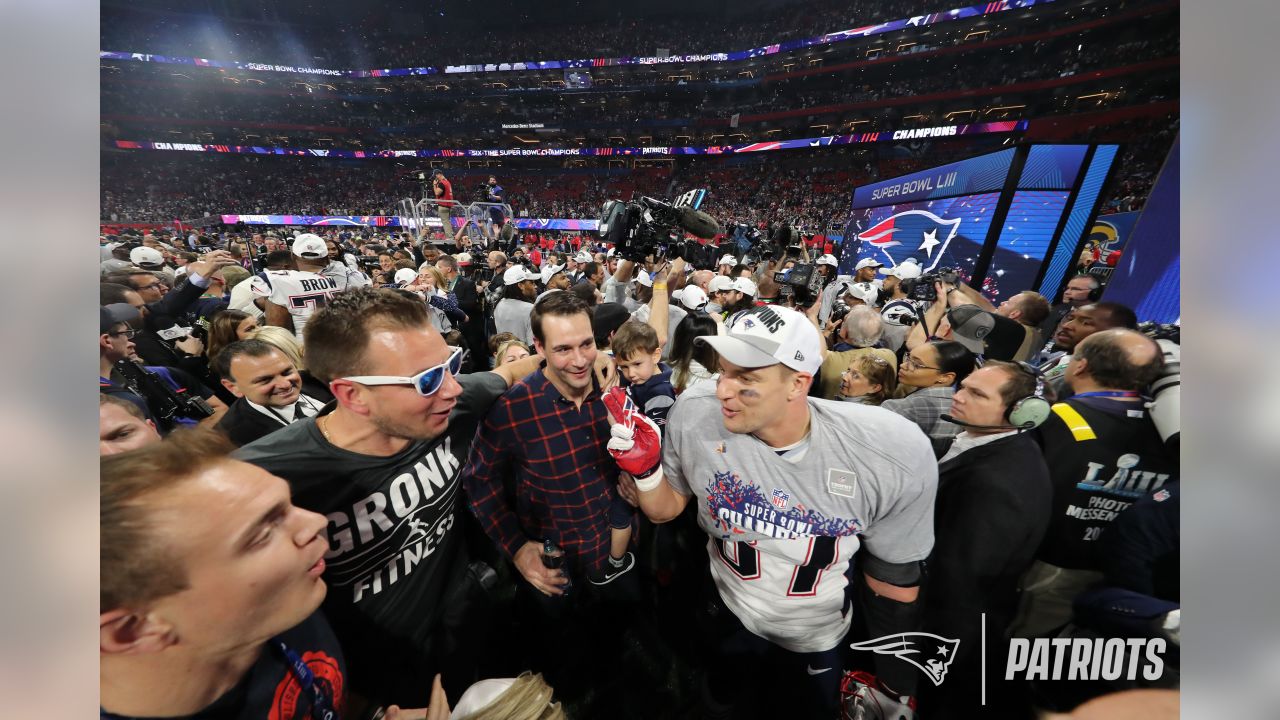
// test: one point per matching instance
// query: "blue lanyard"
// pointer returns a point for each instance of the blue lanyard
(321, 703)
(1130, 394)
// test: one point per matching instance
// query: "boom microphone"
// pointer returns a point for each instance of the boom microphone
(698, 223)
(1023, 426)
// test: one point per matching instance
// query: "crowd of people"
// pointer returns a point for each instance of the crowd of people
(214, 112)
(368, 474)
(808, 188)
(484, 39)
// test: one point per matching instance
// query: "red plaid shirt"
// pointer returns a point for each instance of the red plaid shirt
(552, 454)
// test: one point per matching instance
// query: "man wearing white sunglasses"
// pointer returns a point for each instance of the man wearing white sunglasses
(382, 464)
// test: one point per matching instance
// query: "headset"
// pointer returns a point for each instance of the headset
(1095, 290)
(1025, 413)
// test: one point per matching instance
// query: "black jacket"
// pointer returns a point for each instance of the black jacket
(991, 513)
(243, 424)
(992, 510)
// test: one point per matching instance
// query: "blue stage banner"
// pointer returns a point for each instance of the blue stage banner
(986, 173)
(1148, 277)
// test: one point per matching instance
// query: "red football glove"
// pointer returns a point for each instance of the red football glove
(864, 697)
(635, 441)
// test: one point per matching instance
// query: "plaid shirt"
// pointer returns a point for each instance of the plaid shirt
(552, 456)
(924, 408)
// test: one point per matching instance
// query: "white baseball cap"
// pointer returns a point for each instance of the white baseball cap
(310, 246)
(768, 335)
(644, 279)
(692, 297)
(583, 257)
(744, 286)
(728, 260)
(908, 269)
(864, 291)
(406, 275)
(720, 283)
(828, 260)
(517, 274)
(549, 271)
(146, 258)
(866, 263)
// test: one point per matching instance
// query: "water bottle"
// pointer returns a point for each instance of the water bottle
(553, 558)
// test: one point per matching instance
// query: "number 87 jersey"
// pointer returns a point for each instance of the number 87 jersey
(784, 525)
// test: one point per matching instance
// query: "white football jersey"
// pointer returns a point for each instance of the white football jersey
(301, 293)
(784, 527)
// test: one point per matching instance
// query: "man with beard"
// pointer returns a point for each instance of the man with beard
(555, 278)
(512, 313)
(1079, 324)
(268, 389)
(382, 464)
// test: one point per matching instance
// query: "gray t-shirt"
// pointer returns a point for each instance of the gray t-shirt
(513, 316)
(784, 528)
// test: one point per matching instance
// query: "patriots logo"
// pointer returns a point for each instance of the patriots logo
(932, 654)
(913, 231)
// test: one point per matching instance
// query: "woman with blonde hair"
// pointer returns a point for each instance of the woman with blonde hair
(510, 351)
(527, 697)
(870, 379)
(431, 284)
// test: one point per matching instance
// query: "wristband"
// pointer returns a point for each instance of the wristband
(650, 482)
(659, 286)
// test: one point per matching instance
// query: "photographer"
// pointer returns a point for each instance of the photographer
(169, 396)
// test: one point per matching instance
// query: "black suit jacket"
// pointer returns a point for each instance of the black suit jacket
(243, 424)
(993, 508)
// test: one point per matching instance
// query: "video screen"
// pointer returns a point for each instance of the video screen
(946, 233)
(1028, 232)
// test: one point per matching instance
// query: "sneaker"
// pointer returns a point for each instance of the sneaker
(612, 572)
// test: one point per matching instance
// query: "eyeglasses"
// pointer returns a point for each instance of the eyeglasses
(152, 286)
(426, 382)
(909, 360)
(130, 333)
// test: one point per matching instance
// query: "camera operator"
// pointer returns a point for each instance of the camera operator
(494, 194)
(442, 189)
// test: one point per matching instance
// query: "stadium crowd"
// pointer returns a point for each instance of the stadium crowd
(465, 470)
(133, 29)
(212, 112)
(809, 189)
